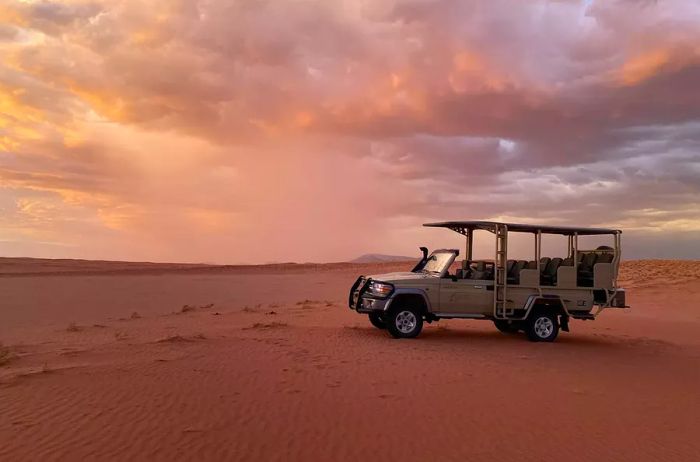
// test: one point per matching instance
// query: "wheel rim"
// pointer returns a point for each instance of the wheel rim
(406, 322)
(544, 327)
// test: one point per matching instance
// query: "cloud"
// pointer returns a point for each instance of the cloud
(162, 123)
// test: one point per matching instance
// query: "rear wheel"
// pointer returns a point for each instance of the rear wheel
(507, 327)
(404, 322)
(542, 326)
(377, 321)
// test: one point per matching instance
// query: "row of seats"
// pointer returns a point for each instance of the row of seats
(480, 271)
(550, 266)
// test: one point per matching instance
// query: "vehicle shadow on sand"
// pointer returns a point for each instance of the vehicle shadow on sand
(455, 337)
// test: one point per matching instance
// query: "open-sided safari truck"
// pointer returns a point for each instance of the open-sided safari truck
(538, 296)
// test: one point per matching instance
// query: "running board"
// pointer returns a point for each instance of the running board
(458, 316)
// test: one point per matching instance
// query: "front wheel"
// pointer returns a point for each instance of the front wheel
(377, 321)
(404, 322)
(542, 326)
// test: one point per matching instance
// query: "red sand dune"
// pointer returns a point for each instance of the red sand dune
(105, 361)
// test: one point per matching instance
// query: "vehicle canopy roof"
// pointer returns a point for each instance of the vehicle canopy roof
(463, 226)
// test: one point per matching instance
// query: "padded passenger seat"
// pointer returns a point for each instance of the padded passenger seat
(606, 258)
(463, 272)
(480, 271)
(549, 274)
(509, 266)
(514, 272)
(585, 270)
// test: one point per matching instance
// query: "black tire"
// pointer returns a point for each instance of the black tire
(542, 326)
(377, 321)
(404, 322)
(507, 327)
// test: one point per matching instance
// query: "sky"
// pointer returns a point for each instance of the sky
(252, 131)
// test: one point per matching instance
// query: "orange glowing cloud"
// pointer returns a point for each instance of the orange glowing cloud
(651, 63)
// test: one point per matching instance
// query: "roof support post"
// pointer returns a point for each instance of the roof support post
(618, 255)
(470, 243)
(575, 244)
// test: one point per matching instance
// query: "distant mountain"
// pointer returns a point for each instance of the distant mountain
(380, 258)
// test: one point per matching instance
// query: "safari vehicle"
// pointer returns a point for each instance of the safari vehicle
(539, 296)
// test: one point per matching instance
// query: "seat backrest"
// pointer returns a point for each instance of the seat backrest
(553, 266)
(605, 258)
(479, 271)
(509, 266)
(515, 268)
(588, 261)
(463, 272)
(544, 261)
(532, 264)
(567, 262)
(514, 273)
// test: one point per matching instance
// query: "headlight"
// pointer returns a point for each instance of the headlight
(380, 289)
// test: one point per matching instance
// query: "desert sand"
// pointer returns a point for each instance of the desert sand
(138, 361)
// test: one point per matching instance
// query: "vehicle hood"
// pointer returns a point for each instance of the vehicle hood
(400, 276)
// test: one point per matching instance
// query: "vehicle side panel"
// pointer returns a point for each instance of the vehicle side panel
(573, 299)
(465, 296)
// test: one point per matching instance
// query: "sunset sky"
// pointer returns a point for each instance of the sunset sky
(254, 131)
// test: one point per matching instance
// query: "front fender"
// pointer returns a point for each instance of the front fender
(409, 291)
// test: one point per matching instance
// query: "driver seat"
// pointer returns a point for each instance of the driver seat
(463, 272)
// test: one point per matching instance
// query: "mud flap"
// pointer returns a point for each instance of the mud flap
(564, 323)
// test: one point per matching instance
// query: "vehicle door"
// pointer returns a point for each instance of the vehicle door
(466, 296)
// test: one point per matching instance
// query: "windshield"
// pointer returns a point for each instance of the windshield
(437, 262)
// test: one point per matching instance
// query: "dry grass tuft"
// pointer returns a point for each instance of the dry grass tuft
(267, 325)
(247, 309)
(6, 355)
(73, 327)
(119, 335)
(173, 339)
(187, 308)
(181, 339)
(135, 315)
